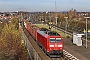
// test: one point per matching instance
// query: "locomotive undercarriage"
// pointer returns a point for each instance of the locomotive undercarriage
(56, 53)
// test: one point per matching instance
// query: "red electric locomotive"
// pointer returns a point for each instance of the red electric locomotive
(51, 42)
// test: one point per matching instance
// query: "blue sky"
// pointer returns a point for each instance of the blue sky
(44, 5)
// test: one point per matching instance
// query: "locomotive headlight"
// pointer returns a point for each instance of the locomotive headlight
(51, 45)
(59, 45)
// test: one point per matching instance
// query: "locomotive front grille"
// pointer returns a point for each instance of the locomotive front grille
(56, 52)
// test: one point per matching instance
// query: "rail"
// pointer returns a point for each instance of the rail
(69, 56)
(32, 52)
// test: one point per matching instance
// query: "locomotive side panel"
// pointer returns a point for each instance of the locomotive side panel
(43, 41)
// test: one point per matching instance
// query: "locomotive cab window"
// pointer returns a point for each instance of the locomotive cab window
(55, 40)
(58, 40)
(52, 39)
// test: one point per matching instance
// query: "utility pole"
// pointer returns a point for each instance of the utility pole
(50, 20)
(86, 30)
(56, 13)
(66, 25)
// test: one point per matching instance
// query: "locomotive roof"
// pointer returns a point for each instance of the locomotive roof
(49, 32)
(53, 33)
(44, 29)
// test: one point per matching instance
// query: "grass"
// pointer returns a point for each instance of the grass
(53, 29)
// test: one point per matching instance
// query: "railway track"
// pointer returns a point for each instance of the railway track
(67, 32)
(62, 30)
(56, 59)
(68, 56)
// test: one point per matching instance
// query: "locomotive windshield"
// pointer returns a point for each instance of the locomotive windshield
(52, 39)
(55, 40)
(58, 40)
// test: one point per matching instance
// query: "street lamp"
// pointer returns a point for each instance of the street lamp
(56, 13)
(66, 25)
(86, 30)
